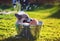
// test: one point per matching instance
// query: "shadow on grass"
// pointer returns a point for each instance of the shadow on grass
(33, 8)
(23, 36)
(48, 6)
(55, 15)
(16, 39)
(42, 7)
(4, 7)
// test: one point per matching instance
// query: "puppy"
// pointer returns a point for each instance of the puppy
(22, 17)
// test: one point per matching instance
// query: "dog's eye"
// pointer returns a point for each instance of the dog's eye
(15, 14)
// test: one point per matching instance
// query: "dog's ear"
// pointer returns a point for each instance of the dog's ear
(18, 16)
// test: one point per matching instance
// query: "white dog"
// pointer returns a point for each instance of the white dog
(23, 18)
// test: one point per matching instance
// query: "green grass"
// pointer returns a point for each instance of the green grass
(50, 30)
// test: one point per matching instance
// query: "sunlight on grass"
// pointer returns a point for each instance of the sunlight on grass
(50, 30)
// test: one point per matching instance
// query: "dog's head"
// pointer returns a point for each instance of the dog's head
(21, 15)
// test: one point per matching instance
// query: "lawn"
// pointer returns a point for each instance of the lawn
(50, 31)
